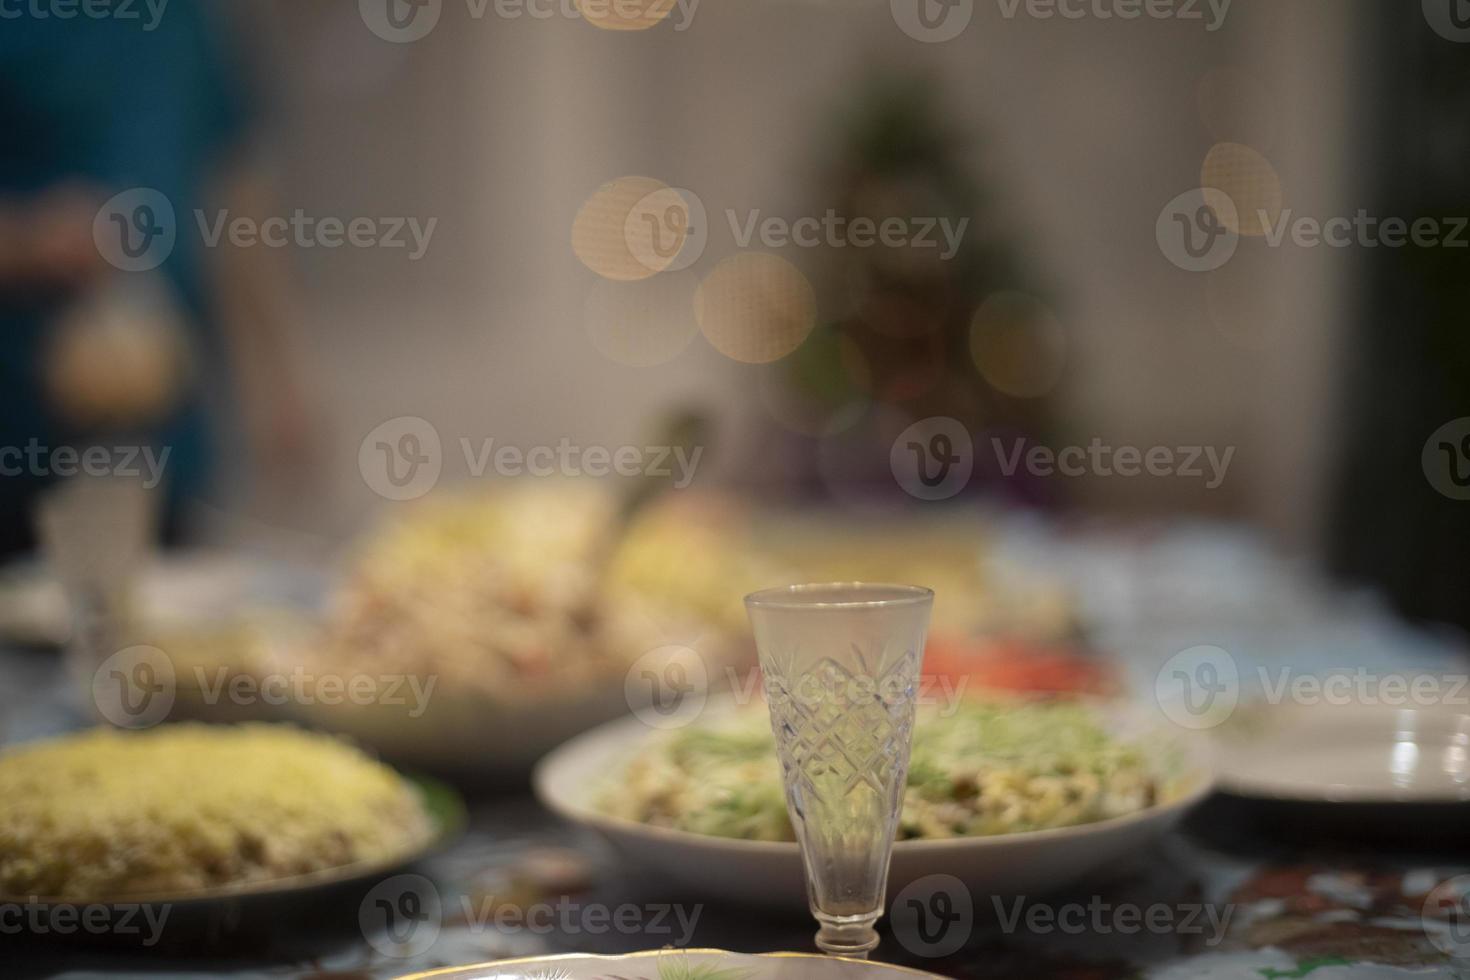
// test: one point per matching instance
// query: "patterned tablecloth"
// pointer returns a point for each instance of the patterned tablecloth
(1236, 893)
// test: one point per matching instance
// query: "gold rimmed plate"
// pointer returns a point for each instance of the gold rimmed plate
(678, 964)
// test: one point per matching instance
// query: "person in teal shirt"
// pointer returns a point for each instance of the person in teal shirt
(92, 106)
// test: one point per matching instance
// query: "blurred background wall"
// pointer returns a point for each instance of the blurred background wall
(1079, 147)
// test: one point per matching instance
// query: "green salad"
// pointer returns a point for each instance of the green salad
(982, 767)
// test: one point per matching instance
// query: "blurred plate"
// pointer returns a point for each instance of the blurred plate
(1348, 754)
(468, 738)
(770, 872)
(476, 738)
(671, 964)
(239, 917)
(175, 587)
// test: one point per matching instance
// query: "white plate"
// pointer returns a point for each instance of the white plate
(670, 964)
(1348, 753)
(769, 872)
(174, 587)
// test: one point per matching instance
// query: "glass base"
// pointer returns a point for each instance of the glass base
(852, 936)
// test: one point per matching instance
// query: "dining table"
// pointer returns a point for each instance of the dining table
(1237, 890)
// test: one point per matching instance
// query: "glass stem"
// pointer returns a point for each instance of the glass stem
(852, 936)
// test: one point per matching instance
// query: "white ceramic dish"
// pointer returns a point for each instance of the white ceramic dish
(767, 872)
(1348, 753)
(670, 964)
(175, 587)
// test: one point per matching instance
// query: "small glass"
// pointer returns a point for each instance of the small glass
(841, 665)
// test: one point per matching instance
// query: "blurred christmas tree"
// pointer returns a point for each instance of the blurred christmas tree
(940, 324)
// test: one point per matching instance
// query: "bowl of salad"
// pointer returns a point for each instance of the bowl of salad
(1010, 795)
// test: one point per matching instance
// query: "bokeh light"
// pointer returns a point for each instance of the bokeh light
(1018, 345)
(625, 15)
(613, 233)
(1250, 181)
(642, 323)
(755, 307)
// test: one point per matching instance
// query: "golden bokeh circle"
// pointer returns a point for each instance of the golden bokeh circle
(642, 323)
(1249, 180)
(600, 232)
(666, 229)
(755, 307)
(1018, 346)
(625, 15)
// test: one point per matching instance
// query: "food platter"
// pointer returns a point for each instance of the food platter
(230, 919)
(770, 872)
